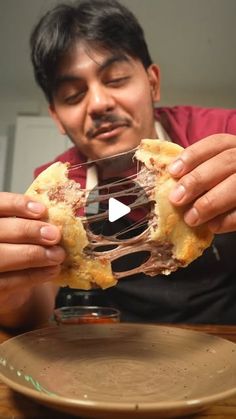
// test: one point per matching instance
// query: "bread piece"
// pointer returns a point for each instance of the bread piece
(61, 195)
(188, 243)
(175, 244)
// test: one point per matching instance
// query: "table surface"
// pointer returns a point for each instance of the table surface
(16, 406)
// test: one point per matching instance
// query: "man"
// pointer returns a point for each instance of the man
(92, 62)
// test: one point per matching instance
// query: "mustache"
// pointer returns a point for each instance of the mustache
(106, 118)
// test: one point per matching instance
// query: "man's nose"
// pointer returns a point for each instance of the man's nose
(100, 100)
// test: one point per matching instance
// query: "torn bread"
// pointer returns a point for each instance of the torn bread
(186, 243)
(61, 196)
(169, 240)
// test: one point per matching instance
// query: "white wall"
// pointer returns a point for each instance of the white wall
(192, 40)
(36, 141)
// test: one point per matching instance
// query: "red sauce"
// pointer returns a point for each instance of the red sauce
(88, 319)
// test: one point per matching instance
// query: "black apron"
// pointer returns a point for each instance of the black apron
(203, 292)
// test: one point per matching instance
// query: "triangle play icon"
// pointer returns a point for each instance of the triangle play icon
(116, 209)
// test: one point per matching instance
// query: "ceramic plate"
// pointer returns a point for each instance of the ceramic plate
(121, 370)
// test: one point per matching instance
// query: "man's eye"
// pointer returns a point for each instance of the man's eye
(75, 98)
(117, 81)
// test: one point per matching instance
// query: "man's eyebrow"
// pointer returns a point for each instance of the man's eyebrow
(111, 60)
(70, 78)
(64, 78)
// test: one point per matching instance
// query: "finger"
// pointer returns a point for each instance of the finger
(15, 287)
(217, 201)
(10, 301)
(204, 177)
(19, 230)
(16, 257)
(201, 151)
(17, 205)
(10, 281)
(224, 223)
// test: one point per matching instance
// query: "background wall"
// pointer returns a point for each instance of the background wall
(192, 40)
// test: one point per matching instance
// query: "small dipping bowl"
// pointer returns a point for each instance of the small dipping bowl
(86, 314)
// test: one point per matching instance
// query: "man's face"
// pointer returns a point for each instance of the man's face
(104, 102)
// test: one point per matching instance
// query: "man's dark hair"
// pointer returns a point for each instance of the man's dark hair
(103, 23)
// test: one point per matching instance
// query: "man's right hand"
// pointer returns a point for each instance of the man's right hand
(29, 251)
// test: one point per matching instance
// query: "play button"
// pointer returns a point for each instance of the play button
(116, 210)
(119, 206)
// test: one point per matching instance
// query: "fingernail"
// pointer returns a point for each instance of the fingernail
(192, 217)
(49, 232)
(55, 254)
(35, 207)
(177, 194)
(176, 167)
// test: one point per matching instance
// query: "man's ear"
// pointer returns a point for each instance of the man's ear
(154, 80)
(53, 114)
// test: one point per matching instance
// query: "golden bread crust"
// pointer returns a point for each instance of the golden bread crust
(78, 270)
(188, 242)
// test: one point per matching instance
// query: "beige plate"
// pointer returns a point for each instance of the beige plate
(120, 370)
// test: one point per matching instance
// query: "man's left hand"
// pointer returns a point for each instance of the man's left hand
(206, 174)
